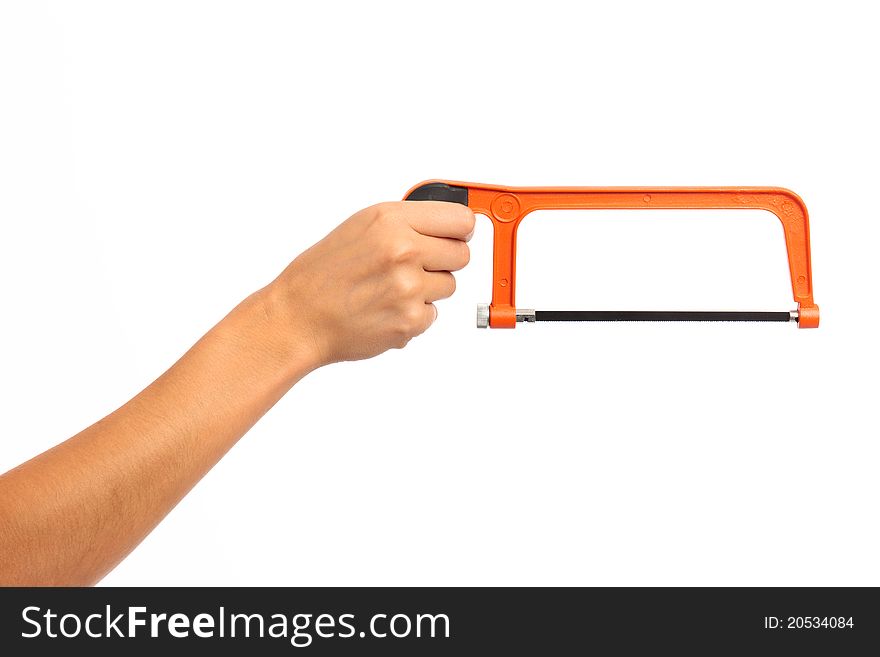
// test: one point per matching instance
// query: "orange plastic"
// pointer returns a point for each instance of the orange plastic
(508, 206)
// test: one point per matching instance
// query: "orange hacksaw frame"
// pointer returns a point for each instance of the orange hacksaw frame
(508, 206)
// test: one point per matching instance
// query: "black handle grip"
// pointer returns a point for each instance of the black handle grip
(439, 192)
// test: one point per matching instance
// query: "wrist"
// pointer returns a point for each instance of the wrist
(276, 351)
(284, 335)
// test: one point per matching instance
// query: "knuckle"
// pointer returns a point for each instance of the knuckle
(383, 209)
(378, 212)
(400, 338)
(412, 320)
(384, 214)
(400, 250)
(405, 284)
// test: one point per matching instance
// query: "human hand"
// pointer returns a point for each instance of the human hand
(369, 286)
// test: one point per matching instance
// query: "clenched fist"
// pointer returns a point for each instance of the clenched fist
(371, 284)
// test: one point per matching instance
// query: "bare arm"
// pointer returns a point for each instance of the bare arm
(69, 515)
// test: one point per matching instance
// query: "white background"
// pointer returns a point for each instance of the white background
(159, 161)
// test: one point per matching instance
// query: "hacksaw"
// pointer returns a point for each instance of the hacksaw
(508, 206)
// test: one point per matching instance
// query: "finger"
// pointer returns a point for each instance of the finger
(429, 317)
(439, 285)
(444, 254)
(440, 218)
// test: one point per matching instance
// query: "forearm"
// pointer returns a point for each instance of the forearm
(71, 514)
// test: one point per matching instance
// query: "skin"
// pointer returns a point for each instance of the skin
(69, 515)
